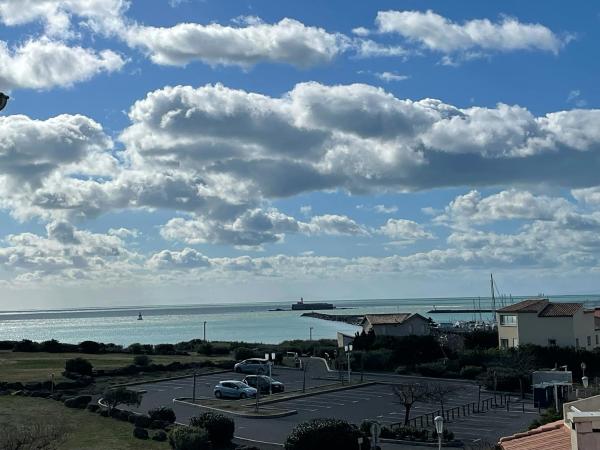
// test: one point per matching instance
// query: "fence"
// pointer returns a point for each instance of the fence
(426, 420)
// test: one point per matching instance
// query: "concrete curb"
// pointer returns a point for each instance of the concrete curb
(179, 377)
(285, 413)
(453, 444)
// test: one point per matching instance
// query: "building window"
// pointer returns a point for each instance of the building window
(576, 342)
(552, 342)
(589, 341)
(508, 321)
(503, 343)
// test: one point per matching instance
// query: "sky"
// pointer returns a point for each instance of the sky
(200, 151)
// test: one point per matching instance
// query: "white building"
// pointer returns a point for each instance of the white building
(545, 323)
(401, 324)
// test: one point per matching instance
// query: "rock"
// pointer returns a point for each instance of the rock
(92, 407)
(80, 401)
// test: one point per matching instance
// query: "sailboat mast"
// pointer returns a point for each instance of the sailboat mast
(493, 297)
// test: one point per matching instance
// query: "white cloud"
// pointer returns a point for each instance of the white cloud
(361, 31)
(391, 76)
(333, 224)
(575, 98)
(288, 41)
(188, 258)
(512, 204)
(382, 209)
(439, 33)
(45, 64)
(404, 231)
(57, 14)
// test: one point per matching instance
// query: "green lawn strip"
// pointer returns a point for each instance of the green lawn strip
(25, 367)
(88, 430)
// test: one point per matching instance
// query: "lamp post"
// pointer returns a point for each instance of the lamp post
(439, 429)
(194, 389)
(205, 331)
(271, 360)
(348, 349)
(310, 333)
(3, 100)
(583, 367)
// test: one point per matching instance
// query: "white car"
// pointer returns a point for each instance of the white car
(253, 366)
(233, 389)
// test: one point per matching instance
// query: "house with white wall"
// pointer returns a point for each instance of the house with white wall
(401, 324)
(546, 323)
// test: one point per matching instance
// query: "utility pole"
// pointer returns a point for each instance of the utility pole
(194, 390)
(205, 331)
(493, 298)
(310, 338)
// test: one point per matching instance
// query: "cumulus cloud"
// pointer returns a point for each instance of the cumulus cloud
(438, 33)
(44, 64)
(57, 15)
(391, 76)
(404, 231)
(512, 204)
(188, 258)
(287, 41)
(333, 224)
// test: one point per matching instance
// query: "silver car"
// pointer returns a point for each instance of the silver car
(253, 366)
(233, 389)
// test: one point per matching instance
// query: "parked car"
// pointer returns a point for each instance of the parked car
(253, 365)
(264, 382)
(233, 389)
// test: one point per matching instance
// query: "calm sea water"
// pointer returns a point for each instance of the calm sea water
(236, 322)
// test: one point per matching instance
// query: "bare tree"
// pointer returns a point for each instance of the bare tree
(440, 392)
(410, 393)
(39, 435)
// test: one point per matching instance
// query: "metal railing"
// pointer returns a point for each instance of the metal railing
(449, 414)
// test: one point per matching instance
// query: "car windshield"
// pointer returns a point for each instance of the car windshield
(240, 384)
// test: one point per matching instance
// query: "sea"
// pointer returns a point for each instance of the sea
(248, 322)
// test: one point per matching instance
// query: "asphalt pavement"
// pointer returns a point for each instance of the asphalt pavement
(374, 402)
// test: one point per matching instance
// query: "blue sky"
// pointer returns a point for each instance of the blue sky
(204, 151)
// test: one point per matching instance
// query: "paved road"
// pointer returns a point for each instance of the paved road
(376, 402)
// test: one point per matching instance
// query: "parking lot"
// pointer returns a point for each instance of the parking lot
(373, 402)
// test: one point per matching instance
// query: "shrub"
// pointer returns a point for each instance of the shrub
(26, 346)
(142, 421)
(162, 413)
(136, 349)
(90, 347)
(183, 438)
(121, 396)
(323, 434)
(433, 369)
(471, 372)
(140, 433)
(92, 407)
(81, 401)
(446, 435)
(79, 365)
(244, 353)
(142, 360)
(220, 428)
(164, 349)
(159, 436)
(51, 346)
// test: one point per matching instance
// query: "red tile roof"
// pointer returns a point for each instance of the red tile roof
(387, 319)
(560, 309)
(533, 305)
(552, 436)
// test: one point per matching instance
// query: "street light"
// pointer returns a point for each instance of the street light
(3, 100)
(439, 429)
(270, 363)
(348, 349)
(310, 334)
(583, 367)
(205, 331)
(585, 381)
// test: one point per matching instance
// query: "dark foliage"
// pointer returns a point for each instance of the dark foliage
(79, 365)
(91, 347)
(142, 360)
(163, 413)
(220, 428)
(140, 433)
(323, 434)
(184, 438)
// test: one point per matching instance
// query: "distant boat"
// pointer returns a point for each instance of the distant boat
(140, 316)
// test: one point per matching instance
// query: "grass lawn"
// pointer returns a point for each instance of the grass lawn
(88, 430)
(17, 366)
